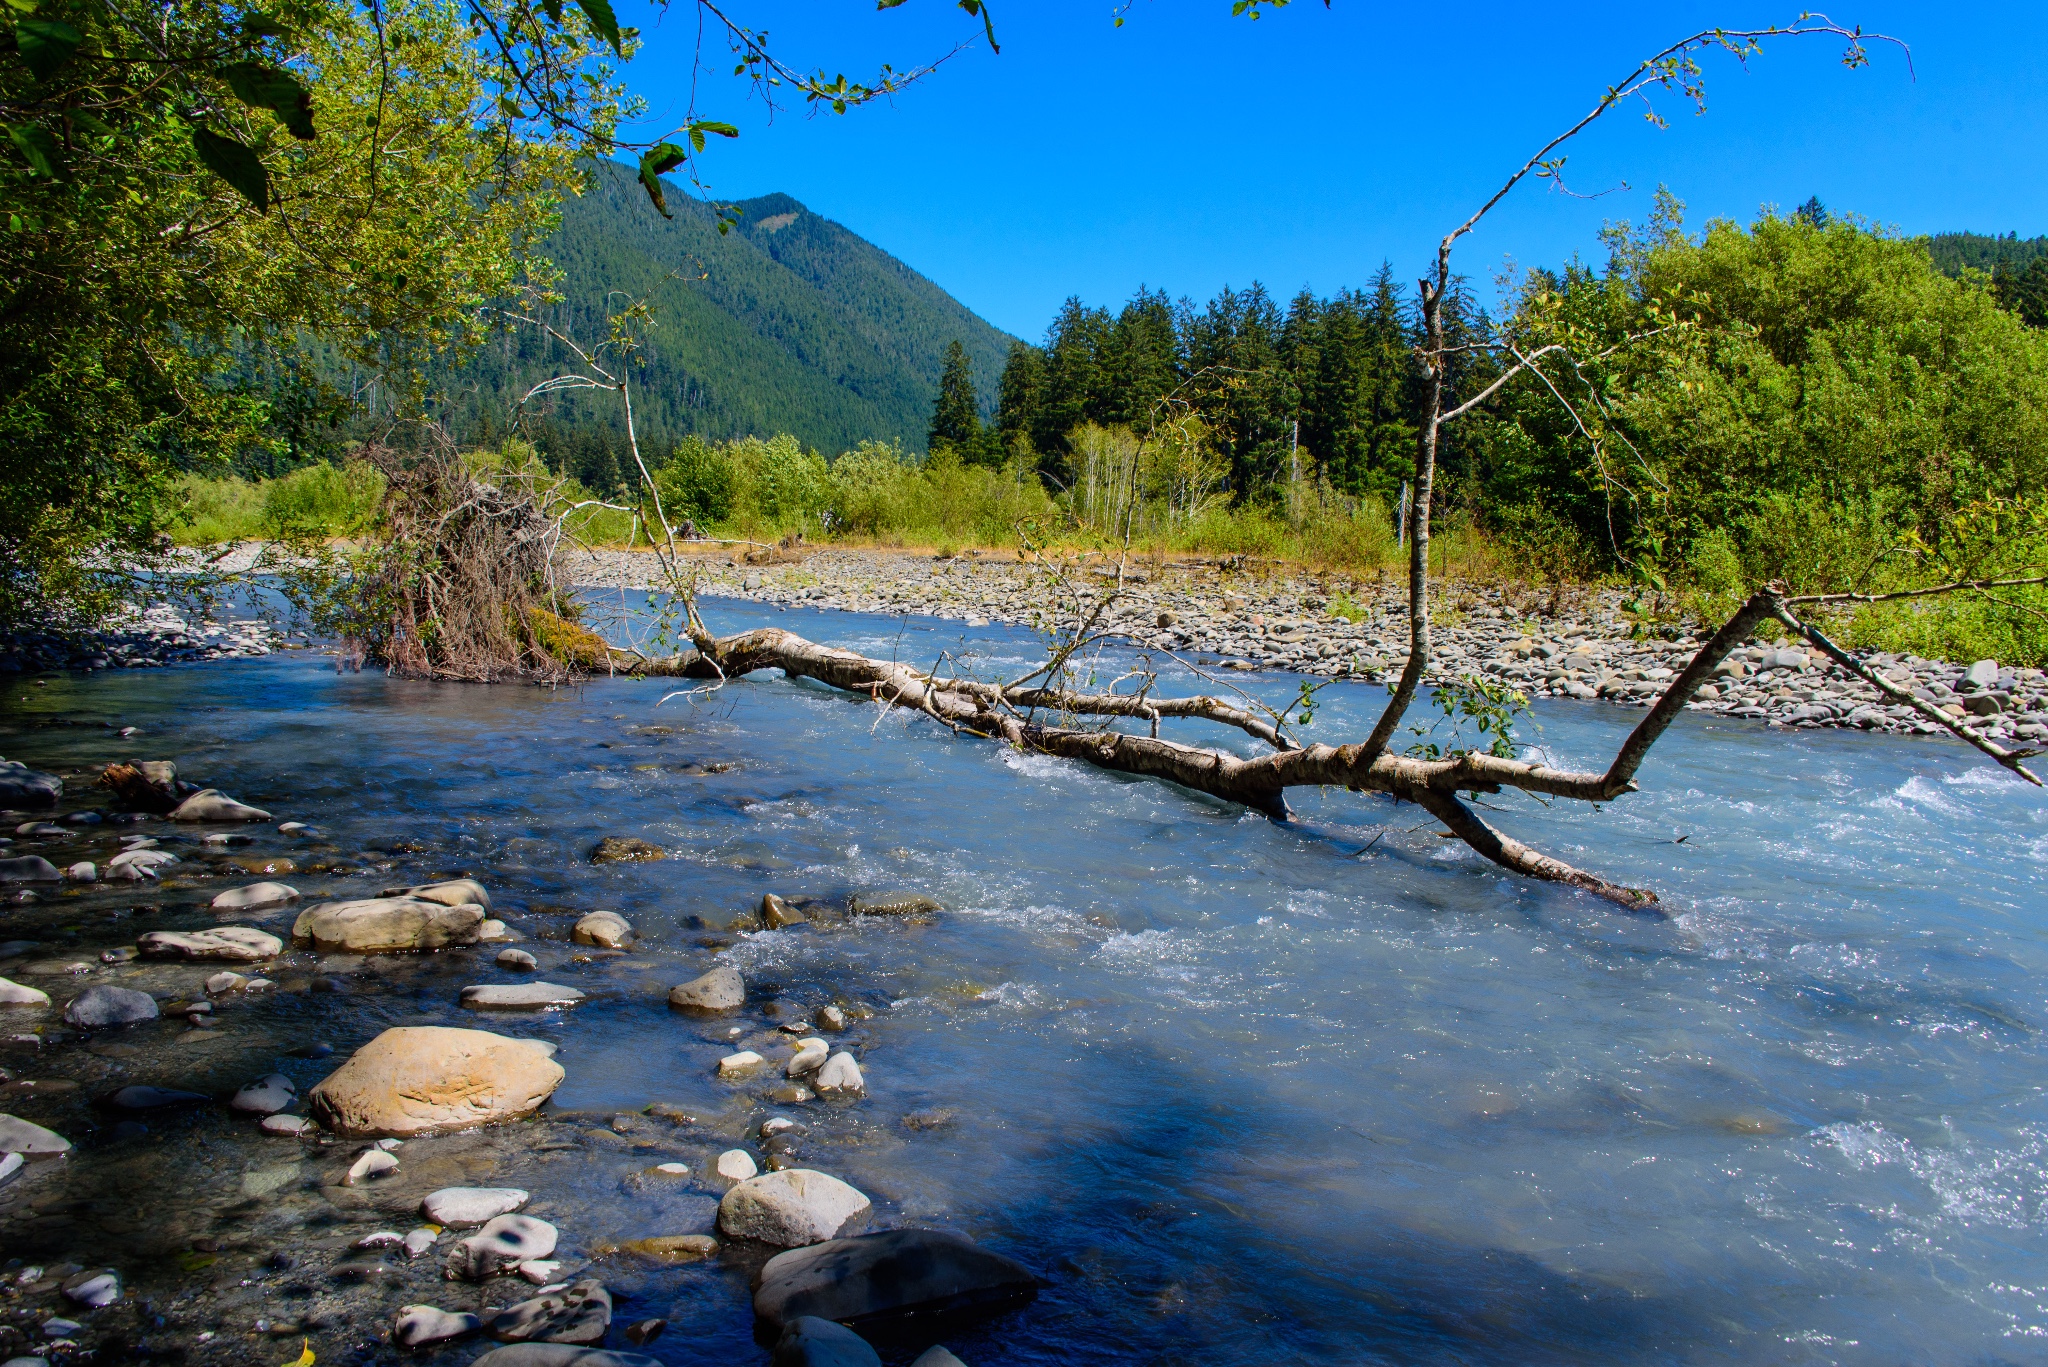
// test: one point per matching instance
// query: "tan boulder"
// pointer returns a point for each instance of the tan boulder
(384, 925)
(429, 1079)
(236, 944)
(605, 929)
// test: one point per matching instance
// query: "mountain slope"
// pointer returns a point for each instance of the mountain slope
(1980, 251)
(788, 323)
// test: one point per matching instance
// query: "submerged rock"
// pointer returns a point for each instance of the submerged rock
(419, 1325)
(143, 1098)
(101, 1006)
(384, 925)
(94, 1289)
(25, 1137)
(458, 1206)
(449, 892)
(811, 1342)
(29, 868)
(517, 960)
(267, 1095)
(371, 1165)
(579, 1313)
(414, 1080)
(912, 905)
(519, 996)
(504, 1242)
(256, 897)
(615, 849)
(673, 1248)
(792, 1208)
(777, 914)
(28, 789)
(560, 1355)
(605, 929)
(233, 944)
(211, 804)
(894, 1274)
(722, 989)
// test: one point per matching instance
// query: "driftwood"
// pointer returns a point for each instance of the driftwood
(1055, 721)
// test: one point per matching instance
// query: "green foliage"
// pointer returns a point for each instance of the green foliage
(317, 501)
(1489, 709)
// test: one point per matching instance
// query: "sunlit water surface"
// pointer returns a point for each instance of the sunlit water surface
(1330, 1091)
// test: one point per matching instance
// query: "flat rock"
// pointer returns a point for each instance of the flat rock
(14, 994)
(812, 1342)
(231, 944)
(791, 1208)
(256, 897)
(738, 1065)
(605, 929)
(560, 1355)
(425, 1079)
(615, 849)
(284, 1124)
(673, 1248)
(519, 996)
(267, 1095)
(145, 1098)
(722, 989)
(579, 1313)
(29, 868)
(894, 1274)
(386, 925)
(463, 1206)
(101, 1006)
(211, 804)
(449, 892)
(502, 1244)
(22, 1136)
(28, 789)
(419, 1325)
(909, 905)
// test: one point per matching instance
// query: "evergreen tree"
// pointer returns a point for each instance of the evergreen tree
(1018, 397)
(1140, 362)
(956, 414)
(1073, 390)
(2023, 290)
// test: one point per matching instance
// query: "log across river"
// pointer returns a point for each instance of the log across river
(1332, 1090)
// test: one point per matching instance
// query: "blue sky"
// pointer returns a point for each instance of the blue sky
(1188, 150)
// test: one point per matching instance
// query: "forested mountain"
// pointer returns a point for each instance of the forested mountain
(788, 323)
(1984, 252)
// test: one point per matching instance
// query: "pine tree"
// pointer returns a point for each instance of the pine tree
(956, 414)
(1018, 397)
(1073, 392)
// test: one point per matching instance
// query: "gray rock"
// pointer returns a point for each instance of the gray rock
(14, 994)
(83, 872)
(285, 1124)
(841, 1076)
(463, 1206)
(894, 1274)
(504, 1242)
(383, 925)
(560, 1355)
(936, 1356)
(1983, 674)
(256, 897)
(101, 1006)
(517, 959)
(733, 1167)
(95, 1289)
(418, 1241)
(28, 789)
(232, 944)
(519, 996)
(579, 1313)
(605, 929)
(139, 863)
(419, 1325)
(143, 1098)
(26, 1362)
(29, 868)
(267, 1095)
(370, 1166)
(21, 1136)
(449, 892)
(831, 1018)
(495, 932)
(211, 804)
(811, 1342)
(794, 1207)
(722, 989)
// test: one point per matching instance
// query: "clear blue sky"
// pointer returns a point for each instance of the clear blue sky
(1188, 150)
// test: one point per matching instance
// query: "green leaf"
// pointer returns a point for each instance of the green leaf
(236, 164)
(724, 130)
(38, 149)
(267, 87)
(260, 25)
(605, 22)
(46, 45)
(661, 158)
(553, 8)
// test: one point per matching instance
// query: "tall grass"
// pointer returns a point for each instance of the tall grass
(320, 500)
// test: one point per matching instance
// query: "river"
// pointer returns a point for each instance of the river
(1330, 1091)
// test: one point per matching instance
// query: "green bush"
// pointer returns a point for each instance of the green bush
(321, 500)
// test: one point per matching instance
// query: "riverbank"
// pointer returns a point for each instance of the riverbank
(145, 638)
(1583, 647)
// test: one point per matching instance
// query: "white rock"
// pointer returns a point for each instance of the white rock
(519, 996)
(840, 1075)
(722, 989)
(224, 982)
(267, 1095)
(673, 1169)
(791, 1208)
(451, 892)
(504, 1242)
(734, 1166)
(383, 1238)
(94, 1289)
(256, 897)
(740, 1064)
(211, 804)
(373, 1164)
(496, 932)
(139, 863)
(236, 944)
(518, 960)
(605, 929)
(809, 1058)
(936, 1356)
(284, 1124)
(540, 1271)
(462, 1206)
(290, 827)
(10, 1164)
(15, 994)
(418, 1241)
(419, 1325)
(83, 872)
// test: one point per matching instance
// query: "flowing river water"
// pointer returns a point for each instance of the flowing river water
(1330, 1091)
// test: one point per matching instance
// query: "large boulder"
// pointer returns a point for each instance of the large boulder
(29, 868)
(560, 1355)
(387, 925)
(232, 944)
(722, 989)
(893, 1274)
(811, 1342)
(211, 804)
(256, 897)
(579, 1313)
(101, 1006)
(426, 1079)
(450, 892)
(27, 789)
(793, 1207)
